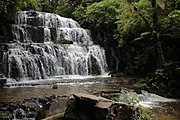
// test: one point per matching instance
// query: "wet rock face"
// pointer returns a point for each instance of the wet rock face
(77, 107)
(3, 80)
(45, 45)
(35, 108)
(27, 110)
(119, 61)
(88, 107)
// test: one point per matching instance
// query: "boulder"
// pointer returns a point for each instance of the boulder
(52, 107)
(89, 107)
(46, 108)
(3, 81)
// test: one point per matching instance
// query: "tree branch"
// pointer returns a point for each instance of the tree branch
(145, 20)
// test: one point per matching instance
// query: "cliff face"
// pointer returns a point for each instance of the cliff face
(45, 45)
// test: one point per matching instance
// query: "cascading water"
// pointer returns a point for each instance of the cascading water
(34, 54)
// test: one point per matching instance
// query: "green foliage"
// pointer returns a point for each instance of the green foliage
(132, 99)
(4, 6)
(130, 21)
(80, 14)
(160, 74)
(48, 5)
(161, 3)
(141, 84)
(65, 9)
(99, 17)
(178, 69)
(174, 16)
(123, 20)
(171, 26)
(29, 5)
(99, 14)
(130, 17)
(172, 4)
(143, 114)
(8, 8)
(102, 13)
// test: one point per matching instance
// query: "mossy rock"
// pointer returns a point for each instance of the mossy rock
(64, 41)
(141, 84)
(55, 87)
(43, 112)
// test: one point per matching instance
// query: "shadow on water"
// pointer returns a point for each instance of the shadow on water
(163, 108)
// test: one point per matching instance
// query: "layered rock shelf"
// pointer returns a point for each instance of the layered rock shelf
(75, 107)
(44, 45)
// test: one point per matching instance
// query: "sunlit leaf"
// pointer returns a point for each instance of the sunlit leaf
(144, 34)
(160, 3)
(137, 39)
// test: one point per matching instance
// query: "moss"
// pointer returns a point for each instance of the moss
(141, 84)
(55, 87)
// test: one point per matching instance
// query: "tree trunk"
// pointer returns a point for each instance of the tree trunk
(161, 59)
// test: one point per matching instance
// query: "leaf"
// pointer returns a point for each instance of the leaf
(142, 36)
(160, 3)
(145, 34)
(137, 39)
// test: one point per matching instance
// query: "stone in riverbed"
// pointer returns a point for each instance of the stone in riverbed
(3, 81)
(47, 108)
(89, 107)
(52, 107)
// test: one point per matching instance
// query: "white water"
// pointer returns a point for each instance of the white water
(44, 19)
(145, 99)
(26, 59)
(151, 100)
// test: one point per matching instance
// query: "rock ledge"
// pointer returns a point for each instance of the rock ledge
(88, 107)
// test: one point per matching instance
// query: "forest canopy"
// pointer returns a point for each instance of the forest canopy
(148, 28)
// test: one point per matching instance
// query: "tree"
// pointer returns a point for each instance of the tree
(100, 18)
(131, 16)
(160, 26)
(49, 5)
(65, 9)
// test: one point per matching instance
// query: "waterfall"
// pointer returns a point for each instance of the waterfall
(34, 53)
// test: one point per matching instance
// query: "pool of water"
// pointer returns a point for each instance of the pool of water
(162, 108)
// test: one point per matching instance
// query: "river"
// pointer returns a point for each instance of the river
(162, 108)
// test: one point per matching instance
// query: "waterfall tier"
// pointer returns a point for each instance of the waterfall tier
(43, 19)
(34, 53)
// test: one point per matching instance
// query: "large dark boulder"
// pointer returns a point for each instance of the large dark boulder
(50, 107)
(89, 107)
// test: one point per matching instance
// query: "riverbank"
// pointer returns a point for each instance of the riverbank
(19, 94)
